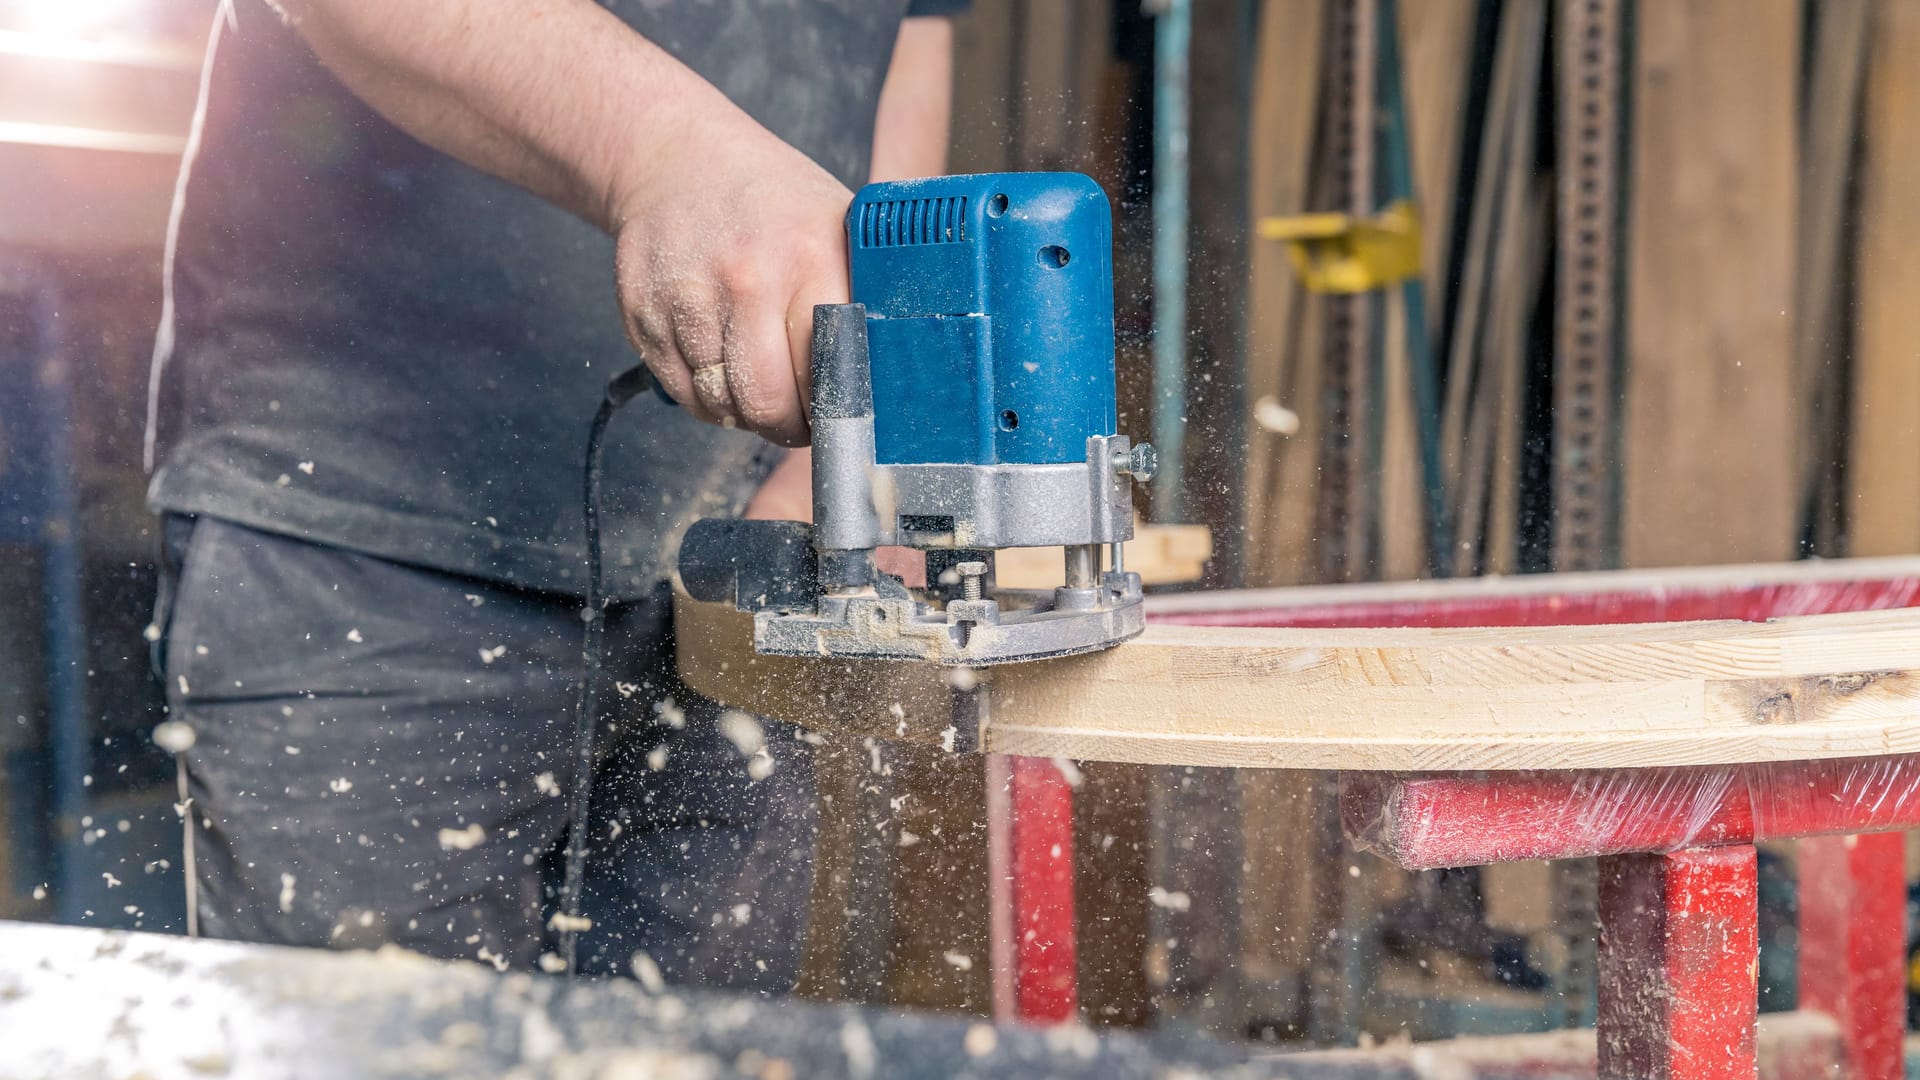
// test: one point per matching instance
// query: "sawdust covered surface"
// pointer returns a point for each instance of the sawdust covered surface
(79, 1002)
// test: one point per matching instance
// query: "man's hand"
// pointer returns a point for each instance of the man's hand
(787, 492)
(727, 237)
(916, 102)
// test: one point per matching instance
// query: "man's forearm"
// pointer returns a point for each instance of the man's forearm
(911, 128)
(564, 99)
(548, 94)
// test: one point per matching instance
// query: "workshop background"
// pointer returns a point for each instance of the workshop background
(1434, 288)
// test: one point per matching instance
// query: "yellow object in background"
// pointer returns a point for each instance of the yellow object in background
(1339, 253)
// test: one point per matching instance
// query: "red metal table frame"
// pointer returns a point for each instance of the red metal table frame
(1679, 895)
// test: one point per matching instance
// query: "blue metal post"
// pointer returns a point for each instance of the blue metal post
(69, 732)
(42, 501)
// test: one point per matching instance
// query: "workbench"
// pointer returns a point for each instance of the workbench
(95, 1003)
(1663, 721)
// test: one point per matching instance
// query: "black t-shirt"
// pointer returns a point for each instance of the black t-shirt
(376, 347)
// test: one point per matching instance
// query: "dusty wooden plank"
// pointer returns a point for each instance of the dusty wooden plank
(1492, 488)
(1491, 314)
(1041, 119)
(1282, 478)
(1403, 533)
(1434, 39)
(1710, 423)
(1160, 554)
(1829, 144)
(1220, 238)
(1883, 465)
(1282, 374)
(1794, 1044)
(1687, 693)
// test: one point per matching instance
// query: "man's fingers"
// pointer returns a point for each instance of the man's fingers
(669, 367)
(800, 352)
(698, 337)
(831, 290)
(730, 337)
(766, 395)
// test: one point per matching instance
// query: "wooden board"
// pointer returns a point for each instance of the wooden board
(1481, 413)
(1220, 239)
(1883, 466)
(1397, 699)
(1282, 370)
(1836, 58)
(1435, 36)
(1711, 426)
(1160, 554)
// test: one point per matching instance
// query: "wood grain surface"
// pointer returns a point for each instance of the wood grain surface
(1690, 693)
(1883, 465)
(1711, 430)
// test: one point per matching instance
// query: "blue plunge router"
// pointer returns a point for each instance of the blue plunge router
(962, 403)
(989, 316)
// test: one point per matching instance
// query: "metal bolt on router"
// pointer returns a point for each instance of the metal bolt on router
(962, 403)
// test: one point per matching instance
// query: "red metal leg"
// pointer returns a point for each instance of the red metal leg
(1853, 891)
(1047, 990)
(1467, 819)
(1853, 922)
(1679, 956)
(1030, 862)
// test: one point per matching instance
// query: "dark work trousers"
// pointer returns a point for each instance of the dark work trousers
(382, 755)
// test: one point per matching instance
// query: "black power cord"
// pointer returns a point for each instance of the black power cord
(620, 390)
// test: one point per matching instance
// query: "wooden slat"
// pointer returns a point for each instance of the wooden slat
(1828, 137)
(1283, 369)
(1467, 429)
(1883, 466)
(1710, 428)
(1520, 258)
(1220, 240)
(1160, 554)
(1434, 38)
(1557, 697)
(1282, 478)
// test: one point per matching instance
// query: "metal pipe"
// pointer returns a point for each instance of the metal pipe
(69, 730)
(1172, 39)
(1083, 566)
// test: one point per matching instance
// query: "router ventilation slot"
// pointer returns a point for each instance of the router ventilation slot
(905, 222)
